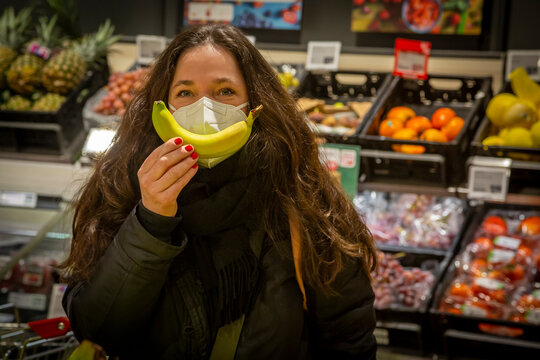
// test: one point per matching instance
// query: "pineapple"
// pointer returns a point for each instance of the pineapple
(24, 74)
(49, 102)
(67, 69)
(17, 102)
(13, 30)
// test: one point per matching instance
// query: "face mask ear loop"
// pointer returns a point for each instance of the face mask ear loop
(241, 106)
(172, 107)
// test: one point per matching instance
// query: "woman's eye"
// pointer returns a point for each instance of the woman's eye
(226, 91)
(184, 93)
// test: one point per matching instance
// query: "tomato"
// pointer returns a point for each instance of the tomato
(441, 117)
(528, 301)
(514, 272)
(389, 126)
(494, 225)
(433, 135)
(530, 226)
(478, 267)
(418, 124)
(452, 129)
(482, 246)
(461, 290)
(523, 254)
(402, 113)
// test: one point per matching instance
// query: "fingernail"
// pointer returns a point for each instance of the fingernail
(194, 155)
(188, 148)
(178, 141)
(195, 166)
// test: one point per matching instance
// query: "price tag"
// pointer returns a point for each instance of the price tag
(488, 183)
(343, 162)
(527, 59)
(149, 47)
(411, 58)
(28, 301)
(18, 199)
(323, 55)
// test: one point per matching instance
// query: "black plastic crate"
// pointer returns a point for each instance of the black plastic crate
(331, 87)
(460, 337)
(406, 329)
(486, 129)
(49, 132)
(442, 163)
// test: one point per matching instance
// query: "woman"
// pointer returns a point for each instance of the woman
(167, 254)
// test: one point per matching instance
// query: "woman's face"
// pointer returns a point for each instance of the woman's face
(209, 71)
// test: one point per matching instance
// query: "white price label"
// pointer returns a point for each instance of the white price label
(55, 305)
(527, 59)
(409, 61)
(490, 284)
(533, 316)
(381, 336)
(323, 55)
(207, 11)
(28, 301)
(18, 199)
(488, 183)
(149, 47)
(507, 242)
(348, 159)
(471, 310)
(500, 256)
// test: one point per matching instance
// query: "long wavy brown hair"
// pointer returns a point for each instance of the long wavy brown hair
(283, 152)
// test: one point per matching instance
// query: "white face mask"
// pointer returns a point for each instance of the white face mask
(206, 116)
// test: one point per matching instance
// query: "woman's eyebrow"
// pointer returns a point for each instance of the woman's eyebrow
(183, 82)
(223, 80)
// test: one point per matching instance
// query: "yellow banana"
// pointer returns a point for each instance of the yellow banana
(222, 143)
(525, 87)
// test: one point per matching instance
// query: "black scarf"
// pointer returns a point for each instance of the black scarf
(217, 214)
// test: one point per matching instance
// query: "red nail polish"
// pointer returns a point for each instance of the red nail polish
(194, 155)
(178, 141)
(188, 148)
(195, 166)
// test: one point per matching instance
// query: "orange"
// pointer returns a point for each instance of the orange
(402, 113)
(389, 126)
(453, 128)
(407, 134)
(418, 124)
(433, 135)
(442, 116)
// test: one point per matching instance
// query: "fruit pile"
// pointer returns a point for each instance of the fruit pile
(288, 76)
(410, 219)
(495, 272)
(402, 123)
(514, 118)
(396, 286)
(40, 67)
(335, 119)
(120, 91)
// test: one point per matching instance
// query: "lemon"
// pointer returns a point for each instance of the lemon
(535, 133)
(521, 114)
(518, 137)
(498, 106)
(524, 87)
(493, 141)
(503, 132)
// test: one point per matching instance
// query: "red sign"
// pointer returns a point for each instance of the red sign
(411, 58)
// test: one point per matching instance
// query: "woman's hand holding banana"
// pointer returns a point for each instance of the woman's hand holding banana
(164, 173)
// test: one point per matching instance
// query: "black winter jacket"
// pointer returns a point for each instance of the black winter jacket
(135, 307)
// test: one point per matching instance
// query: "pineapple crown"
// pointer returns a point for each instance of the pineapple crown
(94, 47)
(48, 34)
(14, 28)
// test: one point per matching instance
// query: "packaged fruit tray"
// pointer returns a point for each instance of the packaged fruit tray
(491, 290)
(404, 285)
(421, 224)
(49, 132)
(339, 103)
(421, 129)
(501, 141)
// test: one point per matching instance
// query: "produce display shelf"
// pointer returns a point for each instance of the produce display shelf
(459, 336)
(442, 163)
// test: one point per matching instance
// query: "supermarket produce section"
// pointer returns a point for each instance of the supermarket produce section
(457, 276)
